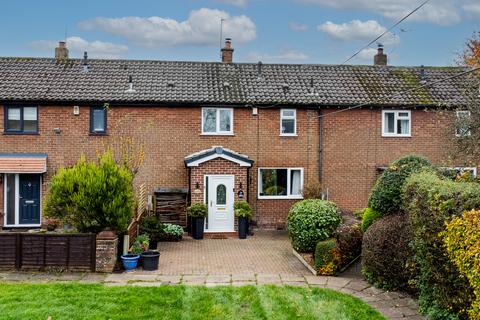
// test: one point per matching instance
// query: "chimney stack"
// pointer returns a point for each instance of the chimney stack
(227, 51)
(61, 52)
(380, 58)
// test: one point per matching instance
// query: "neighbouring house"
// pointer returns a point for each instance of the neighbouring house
(223, 131)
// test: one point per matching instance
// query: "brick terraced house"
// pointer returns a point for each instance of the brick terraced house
(223, 131)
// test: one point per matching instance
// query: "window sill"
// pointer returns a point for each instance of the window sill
(396, 135)
(218, 134)
(7, 133)
(289, 135)
(23, 226)
(98, 134)
(279, 197)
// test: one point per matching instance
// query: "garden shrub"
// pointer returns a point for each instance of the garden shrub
(152, 226)
(197, 210)
(359, 213)
(386, 255)
(369, 216)
(333, 254)
(310, 221)
(431, 202)
(327, 257)
(312, 190)
(462, 242)
(349, 242)
(92, 196)
(386, 196)
(242, 209)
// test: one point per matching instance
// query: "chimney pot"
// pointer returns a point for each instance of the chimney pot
(61, 52)
(380, 59)
(227, 51)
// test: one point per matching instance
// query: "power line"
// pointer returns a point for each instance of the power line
(398, 94)
(386, 31)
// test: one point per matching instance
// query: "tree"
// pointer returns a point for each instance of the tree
(92, 196)
(471, 53)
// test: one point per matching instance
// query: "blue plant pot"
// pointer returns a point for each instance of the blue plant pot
(130, 261)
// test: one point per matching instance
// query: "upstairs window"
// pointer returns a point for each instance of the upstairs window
(288, 122)
(280, 183)
(462, 125)
(21, 119)
(396, 123)
(217, 121)
(98, 120)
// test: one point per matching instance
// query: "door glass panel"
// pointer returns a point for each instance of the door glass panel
(11, 200)
(209, 120)
(221, 194)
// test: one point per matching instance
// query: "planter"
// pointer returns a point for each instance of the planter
(130, 261)
(242, 227)
(153, 245)
(198, 225)
(150, 260)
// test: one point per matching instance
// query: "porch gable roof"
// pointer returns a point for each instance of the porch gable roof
(195, 159)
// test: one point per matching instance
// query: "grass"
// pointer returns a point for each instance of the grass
(94, 301)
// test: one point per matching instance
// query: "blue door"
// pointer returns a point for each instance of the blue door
(29, 201)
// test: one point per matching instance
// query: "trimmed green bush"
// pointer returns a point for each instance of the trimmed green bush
(431, 202)
(310, 221)
(461, 239)
(242, 209)
(369, 216)
(387, 260)
(386, 195)
(92, 196)
(327, 257)
(197, 210)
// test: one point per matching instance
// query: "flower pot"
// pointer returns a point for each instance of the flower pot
(150, 260)
(130, 261)
(198, 227)
(153, 244)
(242, 227)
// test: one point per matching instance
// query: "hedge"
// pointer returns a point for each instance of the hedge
(310, 221)
(369, 216)
(431, 202)
(386, 196)
(386, 255)
(462, 239)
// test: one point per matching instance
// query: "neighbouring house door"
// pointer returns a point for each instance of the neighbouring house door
(29, 199)
(220, 196)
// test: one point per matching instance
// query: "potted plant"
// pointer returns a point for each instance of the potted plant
(152, 226)
(197, 212)
(171, 232)
(243, 212)
(130, 260)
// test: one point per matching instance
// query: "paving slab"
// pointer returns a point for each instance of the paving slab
(316, 280)
(194, 279)
(169, 279)
(218, 279)
(337, 282)
(244, 277)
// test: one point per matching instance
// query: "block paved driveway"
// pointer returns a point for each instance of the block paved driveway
(267, 252)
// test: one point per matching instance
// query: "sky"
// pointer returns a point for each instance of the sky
(282, 31)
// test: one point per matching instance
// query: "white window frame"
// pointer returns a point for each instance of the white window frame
(217, 125)
(17, 204)
(395, 119)
(288, 196)
(294, 117)
(469, 114)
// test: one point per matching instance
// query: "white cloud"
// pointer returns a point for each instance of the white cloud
(472, 10)
(442, 12)
(201, 28)
(285, 55)
(77, 45)
(299, 27)
(238, 3)
(357, 30)
(367, 54)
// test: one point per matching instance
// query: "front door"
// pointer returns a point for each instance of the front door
(220, 197)
(29, 199)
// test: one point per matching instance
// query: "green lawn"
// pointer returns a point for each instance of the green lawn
(85, 301)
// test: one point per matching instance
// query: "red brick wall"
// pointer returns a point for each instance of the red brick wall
(354, 147)
(169, 134)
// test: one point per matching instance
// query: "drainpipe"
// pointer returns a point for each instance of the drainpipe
(320, 145)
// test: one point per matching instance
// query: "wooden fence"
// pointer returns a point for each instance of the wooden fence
(44, 251)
